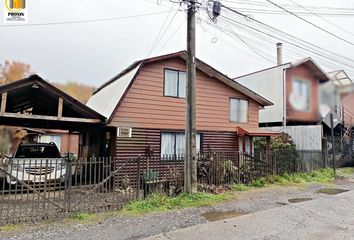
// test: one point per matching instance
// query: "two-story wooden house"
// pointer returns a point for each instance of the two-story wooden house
(293, 87)
(145, 108)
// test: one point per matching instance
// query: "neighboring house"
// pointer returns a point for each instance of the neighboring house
(338, 95)
(293, 88)
(335, 91)
(146, 104)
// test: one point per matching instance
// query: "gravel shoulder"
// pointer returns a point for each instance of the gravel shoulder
(118, 226)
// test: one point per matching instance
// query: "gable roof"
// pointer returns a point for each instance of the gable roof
(107, 96)
(308, 62)
(35, 81)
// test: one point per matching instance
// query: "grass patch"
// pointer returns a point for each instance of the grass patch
(159, 202)
(85, 218)
(239, 187)
(345, 171)
(10, 227)
(325, 175)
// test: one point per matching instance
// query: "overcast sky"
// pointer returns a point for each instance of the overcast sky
(93, 52)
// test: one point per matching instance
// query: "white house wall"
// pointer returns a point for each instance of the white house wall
(269, 84)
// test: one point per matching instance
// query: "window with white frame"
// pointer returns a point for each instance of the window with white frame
(174, 143)
(300, 95)
(175, 83)
(238, 110)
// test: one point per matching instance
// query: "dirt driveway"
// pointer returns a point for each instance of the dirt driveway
(117, 226)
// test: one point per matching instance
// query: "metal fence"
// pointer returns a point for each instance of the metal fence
(32, 190)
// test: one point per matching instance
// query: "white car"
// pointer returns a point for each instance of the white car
(35, 163)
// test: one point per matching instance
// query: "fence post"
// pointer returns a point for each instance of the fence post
(68, 184)
(238, 168)
(325, 145)
(138, 178)
(274, 164)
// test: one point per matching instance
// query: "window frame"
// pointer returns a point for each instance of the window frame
(175, 135)
(178, 80)
(308, 83)
(248, 103)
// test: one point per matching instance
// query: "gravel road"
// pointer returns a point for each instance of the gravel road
(132, 227)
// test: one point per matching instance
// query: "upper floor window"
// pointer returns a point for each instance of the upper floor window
(300, 95)
(238, 110)
(175, 83)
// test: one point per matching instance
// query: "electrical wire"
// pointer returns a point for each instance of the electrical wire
(333, 24)
(311, 23)
(284, 34)
(172, 35)
(158, 35)
(83, 21)
(287, 41)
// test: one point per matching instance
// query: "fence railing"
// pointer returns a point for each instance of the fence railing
(37, 189)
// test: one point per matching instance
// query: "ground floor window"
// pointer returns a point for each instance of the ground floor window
(174, 143)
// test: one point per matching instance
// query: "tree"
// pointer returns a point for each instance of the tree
(81, 92)
(12, 71)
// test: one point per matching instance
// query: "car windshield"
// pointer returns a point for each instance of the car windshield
(37, 152)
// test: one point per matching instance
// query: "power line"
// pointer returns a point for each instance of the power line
(284, 40)
(333, 24)
(315, 8)
(284, 34)
(84, 21)
(309, 22)
(158, 35)
(172, 35)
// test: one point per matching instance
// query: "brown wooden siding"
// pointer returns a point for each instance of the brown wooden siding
(128, 149)
(293, 115)
(144, 106)
(143, 138)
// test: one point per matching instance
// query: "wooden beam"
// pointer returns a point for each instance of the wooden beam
(50, 118)
(3, 102)
(60, 107)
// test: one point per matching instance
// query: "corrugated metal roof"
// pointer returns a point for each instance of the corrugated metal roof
(106, 100)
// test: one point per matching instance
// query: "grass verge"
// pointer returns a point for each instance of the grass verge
(325, 175)
(10, 227)
(159, 202)
(345, 172)
(85, 218)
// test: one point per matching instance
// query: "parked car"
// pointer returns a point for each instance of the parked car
(35, 163)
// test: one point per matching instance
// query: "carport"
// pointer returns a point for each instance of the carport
(35, 103)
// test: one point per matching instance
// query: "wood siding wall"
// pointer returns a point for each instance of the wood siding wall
(144, 106)
(311, 116)
(143, 138)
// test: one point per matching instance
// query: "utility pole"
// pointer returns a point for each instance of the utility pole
(190, 165)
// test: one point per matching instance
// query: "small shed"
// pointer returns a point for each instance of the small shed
(35, 103)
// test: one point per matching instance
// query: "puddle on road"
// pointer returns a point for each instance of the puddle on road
(298, 200)
(281, 203)
(215, 216)
(331, 191)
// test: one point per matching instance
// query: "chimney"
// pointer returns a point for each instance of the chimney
(279, 53)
